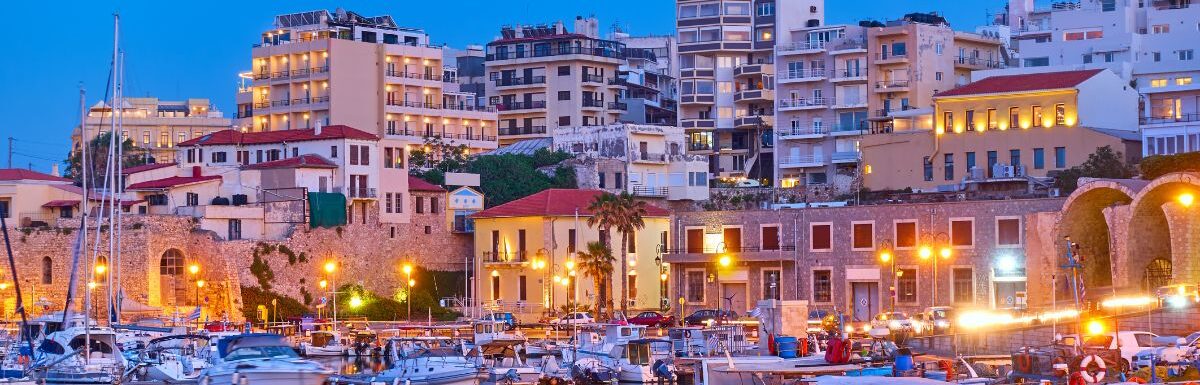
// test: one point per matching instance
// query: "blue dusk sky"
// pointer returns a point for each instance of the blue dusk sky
(186, 49)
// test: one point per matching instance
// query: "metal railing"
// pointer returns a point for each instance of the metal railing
(644, 191)
(850, 73)
(803, 74)
(803, 102)
(593, 103)
(649, 157)
(800, 159)
(1182, 118)
(800, 46)
(521, 81)
(361, 192)
(513, 106)
(845, 155)
(592, 78)
(980, 62)
(504, 256)
(556, 51)
(891, 56)
(885, 84)
(802, 131)
(713, 250)
(618, 106)
(883, 112)
(528, 130)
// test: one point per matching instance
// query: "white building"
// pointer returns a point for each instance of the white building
(1151, 43)
(645, 160)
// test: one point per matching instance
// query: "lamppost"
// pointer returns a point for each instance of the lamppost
(4, 287)
(886, 256)
(100, 270)
(322, 284)
(723, 261)
(330, 268)
(408, 299)
(193, 270)
(539, 263)
(941, 241)
(662, 280)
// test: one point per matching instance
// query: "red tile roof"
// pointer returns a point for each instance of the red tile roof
(170, 182)
(61, 203)
(418, 184)
(302, 161)
(237, 137)
(1023, 83)
(145, 167)
(13, 174)
(555, 202)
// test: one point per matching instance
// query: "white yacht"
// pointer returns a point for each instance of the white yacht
(426, 360)
(498, 355)
(81, 355)
(324, 343)
(261, 359)
(621, 348)
(173, 359)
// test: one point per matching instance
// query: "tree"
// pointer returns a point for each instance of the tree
(439, 155)
(597, 263)
(98, 159)
(1104, 163)
(1156, 166)
(625, 214)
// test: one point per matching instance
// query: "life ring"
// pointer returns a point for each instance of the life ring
(1085, 369)
(1024, 362)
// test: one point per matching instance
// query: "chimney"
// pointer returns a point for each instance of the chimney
(317, 128)
(195, 171)
(54, 169)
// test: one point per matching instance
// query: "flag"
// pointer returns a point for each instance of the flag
(195, 315)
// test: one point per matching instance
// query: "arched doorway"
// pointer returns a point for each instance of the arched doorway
(1157, 274)
(1083, 219)
(172, 283)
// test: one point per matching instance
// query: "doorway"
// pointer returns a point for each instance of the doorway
(865, 300)
(733, 297)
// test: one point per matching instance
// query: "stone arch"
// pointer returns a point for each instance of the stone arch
(1088, 219)
(1162, 228)
(47, 270)
(170, 277)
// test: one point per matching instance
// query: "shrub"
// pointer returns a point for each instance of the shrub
(1158, 165)
(253, 297)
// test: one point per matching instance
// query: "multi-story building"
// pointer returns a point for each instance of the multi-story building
(1148, 43)
(861, 259)
(651, 94)
(154, 126)
(1004, 129)
(32, 199)
(342, 68)
(821, 107)
(543, 77)
(521, 245)
(912, 59)
(470, 72)
(727, 79)
(649, 161)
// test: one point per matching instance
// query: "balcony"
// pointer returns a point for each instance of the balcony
(697, 99)
(760, 95)
(849, 103)
(754, 69)
(603, 52)
(697, 123)
(849, 47)
(281, 103)
(975, 63)
(800, 48)
(521, 81)
(806, 75)
(262, 76)
(848, 129)
(527, 130)
(846, 157)
(245, 114)
(884, 112)
(891, 58)
(801, 161)
(801, 133)
(801, 104)
(519, 106)
(362, 193)
(648, 158)
(700, 147)
(300, 72)
(504, 258)
(754, 121)
(651, 192)
(403, 103)
(592, 103)
(281, 74)
(1163, 120)
(891, 86)
(846, 75)
(592, 79)
(618, 106)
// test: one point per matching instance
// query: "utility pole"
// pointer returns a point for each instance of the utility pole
(10, 143)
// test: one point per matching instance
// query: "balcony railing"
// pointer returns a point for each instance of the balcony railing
(619, 106)
(884, 112)
(1182, 118)
(845, 156)
(362, 192)
(592, 78)
(514, 106)
(504, 256)
(644, 191)
(891, 56)
(557, 51)
(412, 75)
(281, 75)
(803, 74)
(885, 84)
(261, 105)
(528, 130)
(800, 159)
(281, 103)
(245, 114)
(977, 62)
(262, 75)
(720, 250)
(802, 131)
(593, 103)
(803, 102)
(850, 73)
(521, 81)
(801, 46)
(649, 157)
(404, 103)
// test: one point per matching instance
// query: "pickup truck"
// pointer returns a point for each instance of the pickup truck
(1130, 343)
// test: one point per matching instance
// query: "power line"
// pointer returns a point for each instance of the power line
(36, 157)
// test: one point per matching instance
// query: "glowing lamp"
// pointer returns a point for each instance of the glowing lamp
(100, 269)
(1006, 264)
(1186, 199)
(662, 277)
(1095, 327)
(407, 269)
(925, 252)
(191, 269)
(356, 302)
(495, 273)
(570, 265)
(885, 257)
(330, 267)
(412, 282)
(323, 284)
(3, 285)
(91, 284)
(725, 261)
(200, 283)
(945, 252)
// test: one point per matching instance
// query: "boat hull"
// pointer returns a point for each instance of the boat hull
(464, 376)
(266, 377)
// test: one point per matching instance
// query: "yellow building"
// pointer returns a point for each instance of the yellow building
(153, 126)
(526, 254)
(29, 198)
(1007, 128)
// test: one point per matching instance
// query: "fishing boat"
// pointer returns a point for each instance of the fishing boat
(621, 348)
(81, 355)
(324, 343)
(261, 359)
(499, 355)
(172, 359)
(426, 360)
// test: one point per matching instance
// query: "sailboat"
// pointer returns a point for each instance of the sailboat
(623, 349)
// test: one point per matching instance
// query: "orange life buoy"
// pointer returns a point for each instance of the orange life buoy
(1024, 362)
(1090, 375)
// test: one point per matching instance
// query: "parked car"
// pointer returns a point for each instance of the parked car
(938, 319)
(1179, 295)
(507, 318)
(1130, 343)
(896, 322)
(705, 316)
(576, 318)
(1171, 352)
(748, 183)
(652, 319)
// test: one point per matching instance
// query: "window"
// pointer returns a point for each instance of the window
(695, 286)
(695, 240)
(770, 237)
(1087, 58)
(47, 271)
(571, 241)
(732, 237)
(564, 95)
(1158, 83)
(819, 236)
(364, 155)
(947, 121)
(1109, 57)
(419, 205)
(822, 286)
(1160, 28)
(521, 290)
(970, 161)
(738, 8)
(991, 119)
(948, 160)
(927, 165)
(1060, 157)
(970, 120)
(218, 157)
(1183, 81)
(564, 121)
(1008, 231)
(1014, 116)
(235, 230)
(1037, 62)
(354, 155)
(906, 285)
(564, 70)
(1157, 56)
(631, 244)
(962, 232)
(1187, 54)
(4, 207)
(906, 235)
(632, 289)
(1039, 158)
(399, 202)
(964, 285)
(434, 208)
(495, 287)
(1014, 158)
(387, 203)
(766, 9)
(193, 199)
(1060, 114)
(1037, 115)
(864, 236)
(770, 284)
(937, 76)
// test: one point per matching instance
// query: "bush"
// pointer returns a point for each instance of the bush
(252, 297)
(1156, 166)
(380, 308)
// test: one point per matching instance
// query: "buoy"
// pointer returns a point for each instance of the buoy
(1085, 369)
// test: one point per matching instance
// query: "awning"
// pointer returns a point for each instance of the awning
(61, 203)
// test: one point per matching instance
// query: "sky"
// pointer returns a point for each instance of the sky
(177, 50)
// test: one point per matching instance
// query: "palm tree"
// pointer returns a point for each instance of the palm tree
(596, 263)
(625, 214)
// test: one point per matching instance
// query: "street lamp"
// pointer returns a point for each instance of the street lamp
(411, 283)
(1186, 199)
(199, 285)
(886, 256)
(330, 268)
(940, 240)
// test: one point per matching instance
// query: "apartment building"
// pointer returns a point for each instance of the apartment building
(651, 93)
(1149, 43)
(912, 59)
(543, 77)
(861, 259)
(727, 79)
(821, 107)
(1007, 129)
(470, 72)
(648, 161)
(527, 255)
(154, 126)
(342, 68)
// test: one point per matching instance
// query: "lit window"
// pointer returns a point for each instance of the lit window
(1156, 83)
(1161, 28)
(1183, 81)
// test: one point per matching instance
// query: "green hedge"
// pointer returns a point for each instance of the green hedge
(1158, 165)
